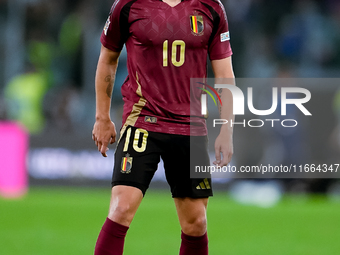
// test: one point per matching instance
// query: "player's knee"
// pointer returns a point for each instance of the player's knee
(196, 226)
(122, 214)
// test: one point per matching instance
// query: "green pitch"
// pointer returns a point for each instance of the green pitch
(54, 221)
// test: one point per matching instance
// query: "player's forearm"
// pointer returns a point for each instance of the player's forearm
(105, 77)
(226, 109)
(224, 74)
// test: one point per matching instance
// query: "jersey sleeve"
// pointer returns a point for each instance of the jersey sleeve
(219, 46)
(116, 28)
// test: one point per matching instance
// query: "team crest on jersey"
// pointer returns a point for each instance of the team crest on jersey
(197, 24)
(107, 24)
(126, 164)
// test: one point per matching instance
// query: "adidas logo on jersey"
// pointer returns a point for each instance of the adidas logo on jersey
(150, 119)
(204, 184)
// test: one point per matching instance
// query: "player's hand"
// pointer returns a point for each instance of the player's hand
(103, 134)
(224, 146)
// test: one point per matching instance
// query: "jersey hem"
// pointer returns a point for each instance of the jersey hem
(187, 131)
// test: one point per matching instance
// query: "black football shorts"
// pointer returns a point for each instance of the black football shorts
(138, 154)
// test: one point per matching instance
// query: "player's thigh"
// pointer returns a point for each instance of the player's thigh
(191, 207)
(179, 163)
(124, 203)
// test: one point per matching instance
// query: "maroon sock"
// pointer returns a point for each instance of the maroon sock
(194, 245)
(111, 239)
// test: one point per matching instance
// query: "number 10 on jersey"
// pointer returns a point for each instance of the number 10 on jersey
(177, 44)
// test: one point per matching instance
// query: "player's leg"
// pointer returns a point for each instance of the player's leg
(193, 220)
(136, 161)
(123, 206)
(124, 203)
(192, 215)
(190, 195)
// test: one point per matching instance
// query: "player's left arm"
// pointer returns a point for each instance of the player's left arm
(224, 73)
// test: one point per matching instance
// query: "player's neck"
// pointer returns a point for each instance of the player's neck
(172, 3)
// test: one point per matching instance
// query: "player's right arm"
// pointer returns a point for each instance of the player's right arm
(104, 131)
(113, 37)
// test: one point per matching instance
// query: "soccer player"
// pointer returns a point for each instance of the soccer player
(167, 43)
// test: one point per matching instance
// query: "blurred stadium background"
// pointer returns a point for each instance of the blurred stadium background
(48, 56)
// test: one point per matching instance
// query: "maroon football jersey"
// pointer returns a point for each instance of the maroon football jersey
(166, 46)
